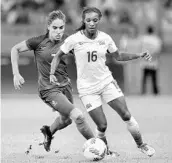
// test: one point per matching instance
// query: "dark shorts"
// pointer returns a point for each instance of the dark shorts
(57, 98)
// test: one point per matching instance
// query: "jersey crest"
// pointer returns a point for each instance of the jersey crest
(101, 42)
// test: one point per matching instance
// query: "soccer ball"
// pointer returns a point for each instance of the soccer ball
(94, 149)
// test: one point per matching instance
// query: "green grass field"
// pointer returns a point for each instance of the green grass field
(23, 115)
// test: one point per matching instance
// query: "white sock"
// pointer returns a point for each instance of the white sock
(133, 128)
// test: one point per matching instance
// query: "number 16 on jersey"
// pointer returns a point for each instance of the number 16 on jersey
(92, 56)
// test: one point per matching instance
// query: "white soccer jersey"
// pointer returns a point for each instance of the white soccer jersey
(90, 57)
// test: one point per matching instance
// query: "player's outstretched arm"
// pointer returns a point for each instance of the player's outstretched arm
(124, 56)
(54, 64)
(18, 80)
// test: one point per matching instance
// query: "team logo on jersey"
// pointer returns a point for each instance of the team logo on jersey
(101, 42)
(54, 103)
(53, 55)
(42, 47)
(88, 106)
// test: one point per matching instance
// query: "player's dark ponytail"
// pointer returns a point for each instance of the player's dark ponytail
(81, 27)
(88, 10)
(47, 32)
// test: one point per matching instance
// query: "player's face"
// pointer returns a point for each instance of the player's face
(91, 22)
(56, 29)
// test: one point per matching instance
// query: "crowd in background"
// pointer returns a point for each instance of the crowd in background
(127, 14)
(30, 11)
(25, 11)
(133, 17)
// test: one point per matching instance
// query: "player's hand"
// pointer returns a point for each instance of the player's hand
(53, 80)
(146, 56)
(18, 81)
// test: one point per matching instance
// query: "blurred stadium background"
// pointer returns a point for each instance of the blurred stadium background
(22, 19)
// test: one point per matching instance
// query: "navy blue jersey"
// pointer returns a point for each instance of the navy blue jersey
(43, 49)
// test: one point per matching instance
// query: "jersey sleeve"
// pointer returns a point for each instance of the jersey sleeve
(68, 44)
(33, 42)
(111, 45)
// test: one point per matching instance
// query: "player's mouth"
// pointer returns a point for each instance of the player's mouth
(92, 28)
(58, 37)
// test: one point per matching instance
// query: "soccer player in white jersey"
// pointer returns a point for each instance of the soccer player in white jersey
(94, 50)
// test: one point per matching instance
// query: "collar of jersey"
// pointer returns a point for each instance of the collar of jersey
(82, 32)
(55, 41)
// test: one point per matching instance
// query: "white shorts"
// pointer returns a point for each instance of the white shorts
(108, 93)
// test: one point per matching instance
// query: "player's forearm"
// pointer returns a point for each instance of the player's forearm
(55, 62)
(123, 56)
(14, 60)
(112, 58)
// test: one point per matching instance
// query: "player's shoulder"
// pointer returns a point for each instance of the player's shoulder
(75, 36)
(34, 41)
(37, 39)
(65, 35)
(40, 37)
(104, 35)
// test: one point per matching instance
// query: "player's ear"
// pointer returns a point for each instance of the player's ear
(48, 27)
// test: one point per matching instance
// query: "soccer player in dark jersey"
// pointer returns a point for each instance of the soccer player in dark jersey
(58, 95)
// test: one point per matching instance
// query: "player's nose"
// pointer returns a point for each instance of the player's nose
(91, 23)
(58, 31)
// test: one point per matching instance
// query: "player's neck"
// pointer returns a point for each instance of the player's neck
(90, 35)
(53, 40)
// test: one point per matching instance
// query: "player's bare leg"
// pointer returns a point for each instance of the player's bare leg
(68, 112)
(83, 127)
(99, 118)
(81, 124)
(60, 123)
(102, 136)
(119, 105)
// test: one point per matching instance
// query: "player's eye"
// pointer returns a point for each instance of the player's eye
(54, 27)
(61, 27)
(95, 20)
(88, 20)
